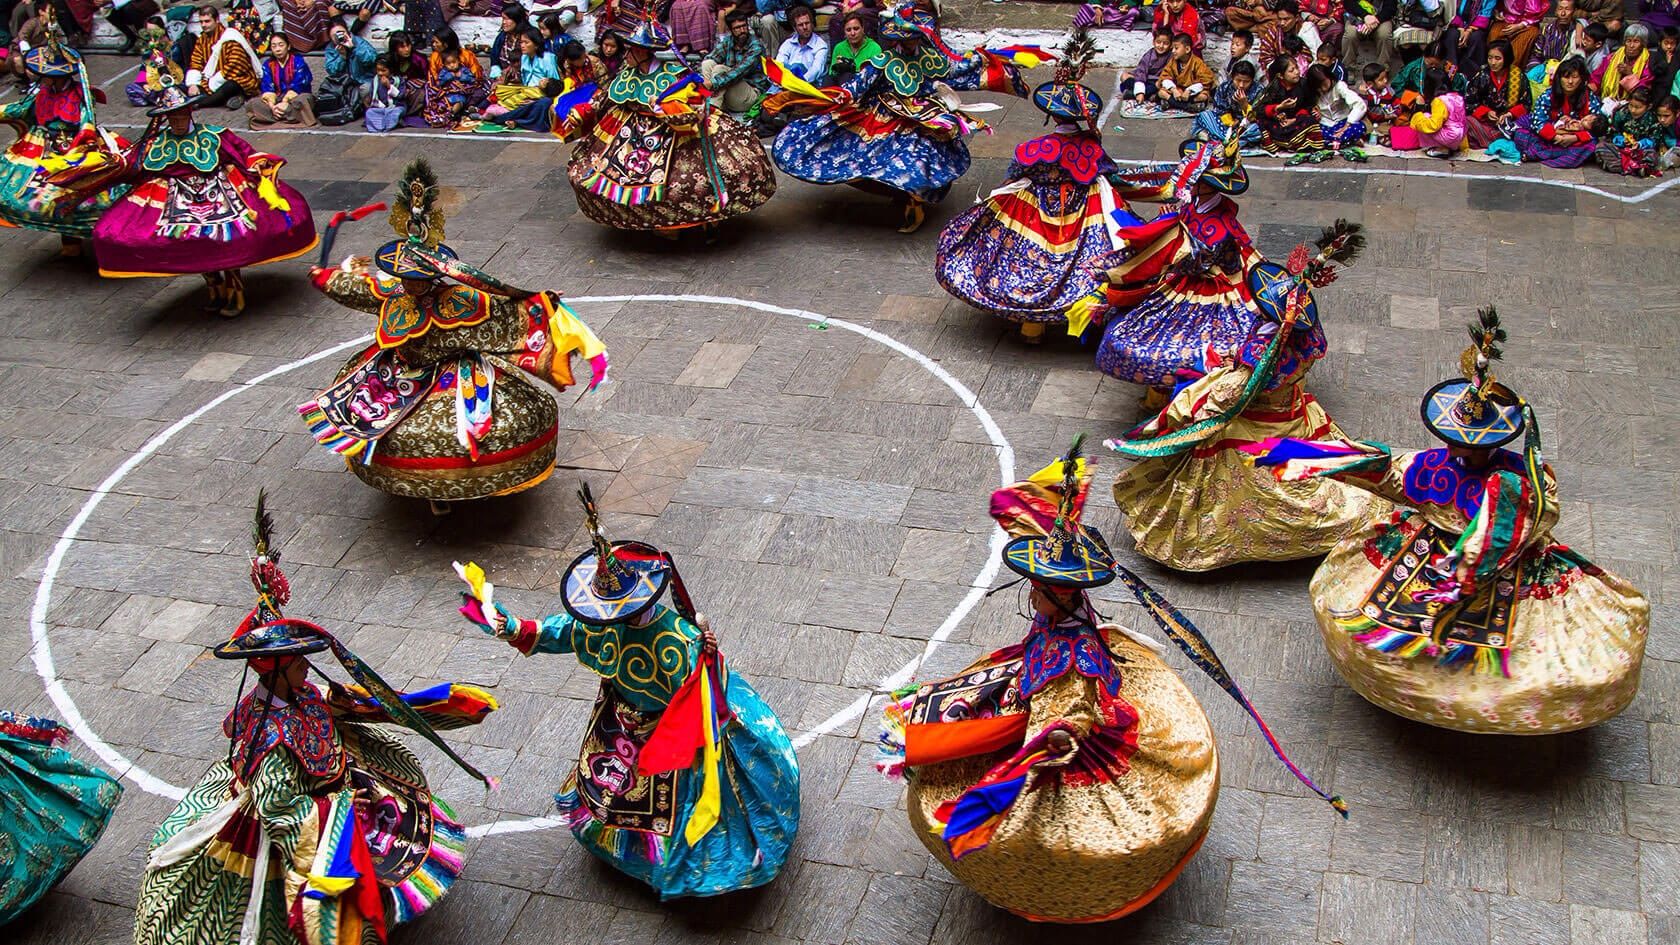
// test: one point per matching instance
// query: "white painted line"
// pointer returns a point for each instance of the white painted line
(42, 650)
(113, 80)
(146, 781)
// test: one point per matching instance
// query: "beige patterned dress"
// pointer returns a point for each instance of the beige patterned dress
(1550, 643)
(396, 409)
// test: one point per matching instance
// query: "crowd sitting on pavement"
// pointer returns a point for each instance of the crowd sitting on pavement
(1560, 82)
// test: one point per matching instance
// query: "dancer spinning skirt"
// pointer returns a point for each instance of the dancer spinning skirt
(55, 127)
(204, 201)
(318, 826)
(1194, 500)
(1028, 251)
(653, 152)
(1462, 610)
(53, 807)
(1071, 777)
(1179, 284)
(442, 406)
(685, 780)
(890, 129)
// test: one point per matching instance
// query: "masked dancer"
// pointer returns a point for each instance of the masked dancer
(1461, 609)
(685, 780)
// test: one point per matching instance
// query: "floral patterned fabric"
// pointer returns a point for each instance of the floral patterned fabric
(53, 807)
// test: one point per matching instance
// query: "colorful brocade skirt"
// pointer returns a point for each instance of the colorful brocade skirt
(381, 810)
(53, 807)
(27, 200)
(1210, 506)
(1572, 636)
(1030, 250)
(634, 171)
(422, 456)
(1168, 330)
(188, 225)
(873, 149)
(1535, 148)
(637, 823)
(1079, 845)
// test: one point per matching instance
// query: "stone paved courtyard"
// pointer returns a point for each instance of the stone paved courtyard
(824, 490)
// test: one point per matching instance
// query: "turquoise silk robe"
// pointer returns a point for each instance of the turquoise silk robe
(636, 823)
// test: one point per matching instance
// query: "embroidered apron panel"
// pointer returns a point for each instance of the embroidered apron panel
(202, 205)
(640, 154)
(1485, 621)
(606, 774)
(987, 692)
(397, 816)
(377, 395)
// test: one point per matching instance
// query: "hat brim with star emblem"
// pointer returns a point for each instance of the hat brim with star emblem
(407, 259)
(647, 574)
(1069, 101)
(1456, 415)
(1271, 285)
(1081, 559)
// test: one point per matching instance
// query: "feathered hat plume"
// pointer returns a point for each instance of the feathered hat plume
(415, 213)
(1076, 55)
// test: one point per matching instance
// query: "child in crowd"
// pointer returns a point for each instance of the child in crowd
(1378, 94)
(1140, 82)
(1593, 44)
(1668, 120)
(1231, 104)
(1665, 60)
(1180, 16)
(1329, 55)
(1630, 145)
(1242, 50)
(1288, 116)
(385, 99)
(554, 35)
(1496, 94)
(1438, 127)
(455, 85)
(1341, 112)
(1185, 83)
(578, 67)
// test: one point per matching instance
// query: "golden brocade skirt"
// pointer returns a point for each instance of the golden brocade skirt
(1577, 644)
(421, 458)
(1210, 507)
(1091, 852)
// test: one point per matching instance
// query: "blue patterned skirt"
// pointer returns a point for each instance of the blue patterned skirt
(1027, 254)
(638, 828)
(1167, 332)
(821, 150)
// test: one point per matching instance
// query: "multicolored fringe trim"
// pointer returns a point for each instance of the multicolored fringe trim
(331, 437)
(427, 884)
(608, 189)
(32, 728)
(895, 722)
(220, 232)
(620, 843)
(474, 391)
(1483, 660)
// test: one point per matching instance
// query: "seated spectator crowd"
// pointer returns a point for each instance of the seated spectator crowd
(1560, 82)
